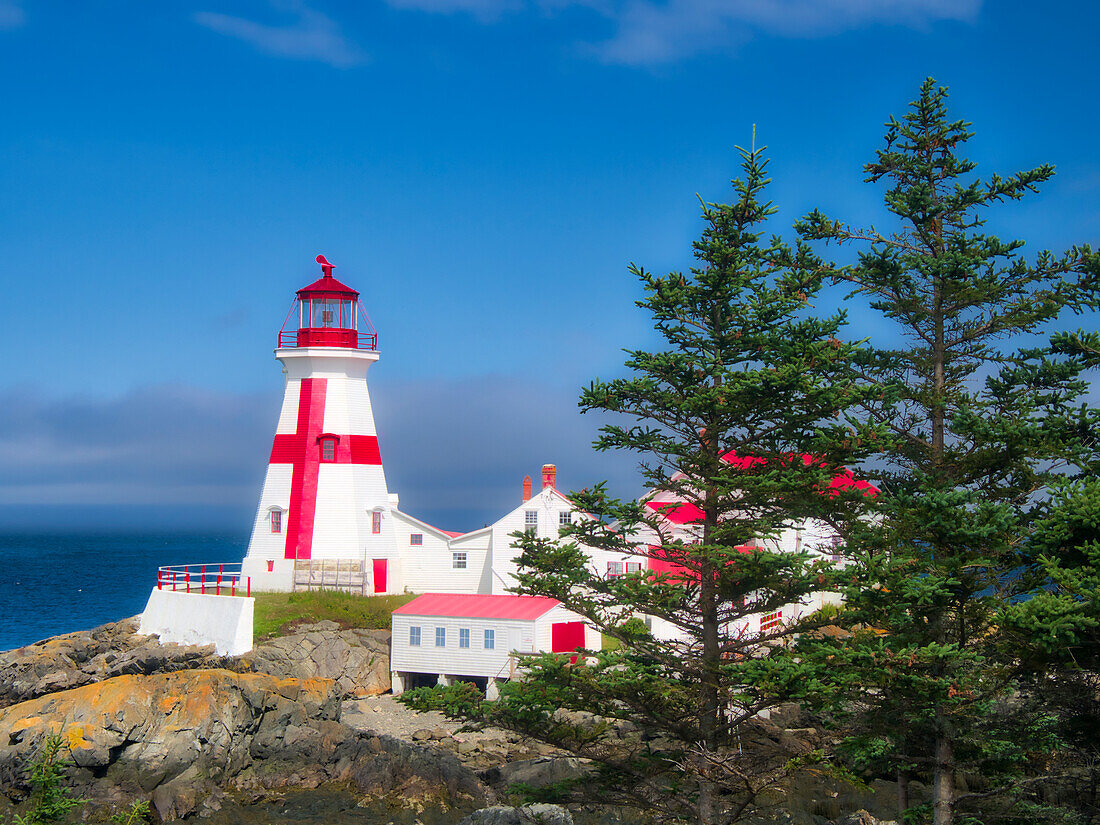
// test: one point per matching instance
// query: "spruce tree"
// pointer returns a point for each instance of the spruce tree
(742, 415)
(985, 419)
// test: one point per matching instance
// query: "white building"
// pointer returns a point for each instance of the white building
(442, 637)
(326, 517)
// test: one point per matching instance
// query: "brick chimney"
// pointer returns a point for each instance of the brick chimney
(527, 488)
(549, 476)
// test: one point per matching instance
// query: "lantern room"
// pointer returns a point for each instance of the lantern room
(327, 313)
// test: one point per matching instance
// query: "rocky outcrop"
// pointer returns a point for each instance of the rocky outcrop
(537, 814)
(88, 656)
(184, 738)
(356, 659)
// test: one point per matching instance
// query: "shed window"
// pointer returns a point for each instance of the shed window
(565, 518)
(414, 636)
(490, 639)
(416, 539)
(633, 567)
(458, 561)
(464, 637)
(531, 521)
(376, 522)
(441, 637)
(276, 521)
(328, 449)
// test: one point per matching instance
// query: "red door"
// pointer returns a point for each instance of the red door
(379, 575)
(565, 637)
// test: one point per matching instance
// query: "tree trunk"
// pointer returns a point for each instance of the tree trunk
(903, 793)
(710, 709)
(943, 781)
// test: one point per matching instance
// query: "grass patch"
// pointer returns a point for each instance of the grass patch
(277, 614)
(610, 642)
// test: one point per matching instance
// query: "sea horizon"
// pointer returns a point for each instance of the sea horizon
(61, 581)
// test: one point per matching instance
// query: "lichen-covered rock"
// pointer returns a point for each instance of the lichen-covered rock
(181, 736)
(356, 659)
(87, 656)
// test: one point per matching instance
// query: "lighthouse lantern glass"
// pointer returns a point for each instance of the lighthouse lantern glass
(328, 312)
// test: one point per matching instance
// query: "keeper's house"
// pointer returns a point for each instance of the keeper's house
(443, 637)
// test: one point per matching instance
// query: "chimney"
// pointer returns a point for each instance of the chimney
(527, 488)
(549, 476)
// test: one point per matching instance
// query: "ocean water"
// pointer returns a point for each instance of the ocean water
(60, 583)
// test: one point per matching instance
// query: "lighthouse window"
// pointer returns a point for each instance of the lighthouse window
(458, 561)
(416, 539)
(376, 522)
(276, 521)
(328, 449)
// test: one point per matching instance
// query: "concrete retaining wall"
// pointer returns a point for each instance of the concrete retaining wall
(197, 619)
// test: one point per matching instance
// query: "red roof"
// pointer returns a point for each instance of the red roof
(328, 285)
(469, 606)
(687, 513)
(677, 513)
(843, 480)
(454, 534)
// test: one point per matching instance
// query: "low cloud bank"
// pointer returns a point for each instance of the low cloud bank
(179, 457)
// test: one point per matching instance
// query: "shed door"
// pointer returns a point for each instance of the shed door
(379, 575)
(565, 637)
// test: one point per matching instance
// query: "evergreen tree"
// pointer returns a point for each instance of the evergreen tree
(742, 417)
(985, 419)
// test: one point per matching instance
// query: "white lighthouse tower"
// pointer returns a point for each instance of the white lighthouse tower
(325, 510)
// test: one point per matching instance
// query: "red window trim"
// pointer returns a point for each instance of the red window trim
(276, 520)
(325, 439)
(376, 522)
(771, 620)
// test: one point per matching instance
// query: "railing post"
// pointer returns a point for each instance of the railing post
(187, 578)
(203, 586)
(221, 567)
(173, 581)
(160, 573)
(249, 585)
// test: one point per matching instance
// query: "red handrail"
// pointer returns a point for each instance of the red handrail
(210, 581)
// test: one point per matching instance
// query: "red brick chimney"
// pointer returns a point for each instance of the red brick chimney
(549, 476)
(527, 488)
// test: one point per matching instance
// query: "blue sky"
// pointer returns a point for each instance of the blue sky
(482, 170)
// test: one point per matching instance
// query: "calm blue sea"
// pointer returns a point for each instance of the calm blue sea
(60, 583)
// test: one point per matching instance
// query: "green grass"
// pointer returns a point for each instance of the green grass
(277, 614)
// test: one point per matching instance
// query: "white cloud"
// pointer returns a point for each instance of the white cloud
(310, 35)
(657, 31)
(12, 15)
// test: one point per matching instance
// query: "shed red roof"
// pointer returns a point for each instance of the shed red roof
(326, 284)
(470, 606)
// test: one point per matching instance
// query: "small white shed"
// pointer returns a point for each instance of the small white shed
(440, 637)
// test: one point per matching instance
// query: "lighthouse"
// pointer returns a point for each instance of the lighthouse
(325, 513)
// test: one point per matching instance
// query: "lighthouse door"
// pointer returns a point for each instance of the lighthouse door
(379, 575)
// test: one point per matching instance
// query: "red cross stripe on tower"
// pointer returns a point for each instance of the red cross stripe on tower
(306, 451)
